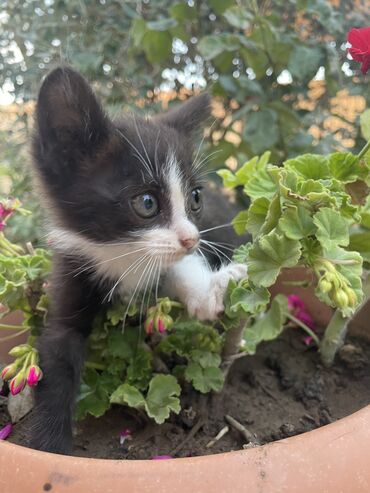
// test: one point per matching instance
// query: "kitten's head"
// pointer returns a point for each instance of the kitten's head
(112, 181)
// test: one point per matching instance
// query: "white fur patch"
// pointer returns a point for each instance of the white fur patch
(184, 228)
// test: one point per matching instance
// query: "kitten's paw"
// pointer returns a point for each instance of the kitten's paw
(210, 305)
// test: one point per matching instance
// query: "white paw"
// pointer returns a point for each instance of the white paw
(210, 305)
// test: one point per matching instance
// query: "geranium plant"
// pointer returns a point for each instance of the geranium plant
(313, 211)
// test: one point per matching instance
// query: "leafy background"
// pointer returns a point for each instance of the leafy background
(278, 71)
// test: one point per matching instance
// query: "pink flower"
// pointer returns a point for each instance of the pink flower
(18, 383)
(2, 225)
(298, 309)
(295, 303)
(6, 431)
(360, 49)
(34, 375)
(124, 435)
(161, 457)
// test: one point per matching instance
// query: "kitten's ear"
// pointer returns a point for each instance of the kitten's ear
(188, 117)
(69, 118)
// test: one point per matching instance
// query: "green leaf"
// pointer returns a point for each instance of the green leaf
(346, 167)
(238, 17)
(309, 166)
(261, 131)
(268, 327)
(268, 255)
(261, 184)
(332, 228)
(256, 215)
(214, 44)
(365, 124)
(161, 24)
(205, 358)
(240, 222)
(220, 6)
(139, 370)
(138, 30)
(296, 222)
(204, 379)
(182, 11)
(128, 394)
(304, 62)
(163, 397)
(248, 300)
(157, 46)
(229, 179)
(360, 242)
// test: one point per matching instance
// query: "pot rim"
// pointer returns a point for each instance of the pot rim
(329, 459)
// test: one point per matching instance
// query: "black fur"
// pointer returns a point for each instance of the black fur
(89, 170)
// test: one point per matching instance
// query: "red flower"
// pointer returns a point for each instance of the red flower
(360, 49)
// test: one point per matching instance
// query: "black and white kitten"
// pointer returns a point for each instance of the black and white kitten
(126, 207)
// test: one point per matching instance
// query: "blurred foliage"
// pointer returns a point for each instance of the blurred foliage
(258, 58)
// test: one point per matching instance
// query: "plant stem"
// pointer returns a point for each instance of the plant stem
(364, 150)
(13, 336)
(303, 326)
(11, 327)
(233, 341)
(94, 366)
(333, 338)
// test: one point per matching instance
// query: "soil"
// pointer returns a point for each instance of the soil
(280, 392)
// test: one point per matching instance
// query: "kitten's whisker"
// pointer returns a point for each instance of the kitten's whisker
(227, 225)
(211, 252)
(139, 155)
(204, 257)
(135, 265)
(205, 160)
(215, 249)
(218, 244)
(158, 277)
(83, 268)
(144, 148)
(149, 273)
(133, 294)
(201, 143)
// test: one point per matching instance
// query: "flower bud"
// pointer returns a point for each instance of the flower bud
(34, 375)
(341, 298)
(19, 351)
(166, 305)
(18, 383)
(352, 298)
(160, 326)
(9, 371)
(6, 431)
(148, 325)
(324, 285)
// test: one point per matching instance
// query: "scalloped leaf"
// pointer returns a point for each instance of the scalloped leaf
(269, 255)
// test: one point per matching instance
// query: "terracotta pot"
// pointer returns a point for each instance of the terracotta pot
(331, 459)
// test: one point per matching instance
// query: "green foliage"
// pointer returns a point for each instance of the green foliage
(162, 397)
(304, 213)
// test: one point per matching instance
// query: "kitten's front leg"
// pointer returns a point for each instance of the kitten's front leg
(61, 349)
(201, 289)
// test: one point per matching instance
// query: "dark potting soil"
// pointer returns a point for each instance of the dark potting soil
(281, 391)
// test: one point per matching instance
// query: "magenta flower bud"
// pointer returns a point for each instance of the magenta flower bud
(149, 326)
(160, 325)
(18, 383)
(9, 372)
(124, 435)
(34, 375)
(2, 225)
(6, 431)
(161, 457)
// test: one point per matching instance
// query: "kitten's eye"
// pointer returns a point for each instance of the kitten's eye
(196, 200)
(145, 205)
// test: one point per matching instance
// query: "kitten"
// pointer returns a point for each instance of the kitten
(125, 202)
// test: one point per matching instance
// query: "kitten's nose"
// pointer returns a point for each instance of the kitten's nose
(188, 243)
